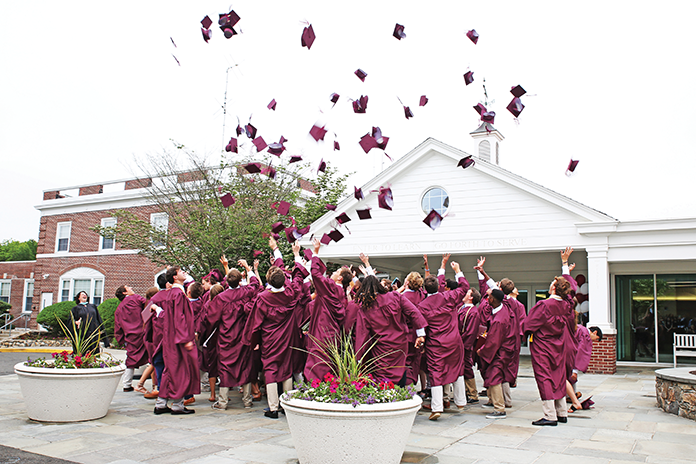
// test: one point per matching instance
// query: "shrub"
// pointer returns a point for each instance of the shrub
(47, 316)
(4, 307)
(106, 311)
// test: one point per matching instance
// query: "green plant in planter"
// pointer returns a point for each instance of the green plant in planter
(49, 315)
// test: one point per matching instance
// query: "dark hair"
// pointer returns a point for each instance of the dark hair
(451, 284)
(497, 294)
(121, 292)
(77, 297)
(369, 289)
(162, 281)
(216, 290)
(210, 278)
(346, 277)
(171, 273)
(507, 286)
(594, 328)
(195, 290)
(275, 277)
(431, 284)
(475, 296)
(152, 291)
(233, 278)
(562, 286)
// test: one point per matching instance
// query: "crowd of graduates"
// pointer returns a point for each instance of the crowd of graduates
(232, 331)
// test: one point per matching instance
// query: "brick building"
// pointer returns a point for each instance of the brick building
(17, 287)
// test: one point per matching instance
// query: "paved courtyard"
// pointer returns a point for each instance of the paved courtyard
(625, 426)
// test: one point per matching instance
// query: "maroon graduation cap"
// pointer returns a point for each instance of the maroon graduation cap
(368, 142)
(330, 207)
(276, 148)
(308, 37)
(290, 234)
(206, 33)
(517, 91)
(515, 106)
(317, 132)
(227, 200)
(269, 171)
(433, 219)
(466, 162)
(334, 98)
(361, 74)
(379, 138)
(336, 145)
(488, 116)
(360, 105)
(423, 100)
(335, 235)
(259, 143)
(364, 213)
(239, 130)
(473, 36)
(232, 146)
(407, 112)
(325, 239)
(206, 22)
(257, 253)
(227, 22)
(277, 227)
(342, 218)
(571, 166)
(358, 194)
(480, 109)
(295, 159)
(253, 168)
(322, 166)
(399, 32)
(303, 231)
(468, 77)
(283, 208)
(250, 131)
(385, 199)
(307, 254)
(272, 105)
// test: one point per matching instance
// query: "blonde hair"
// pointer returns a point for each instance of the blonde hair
(414, 281)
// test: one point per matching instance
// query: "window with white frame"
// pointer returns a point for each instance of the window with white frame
(5, 287)
(82, 279)
(63, 236)
(28, 294)
(160, 221)
(107, 243)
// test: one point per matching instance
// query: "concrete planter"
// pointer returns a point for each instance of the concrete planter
(68, 395)
(326, 433)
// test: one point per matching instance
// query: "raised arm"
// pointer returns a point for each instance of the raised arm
(425, 266)
(455, 296)
(566, 268)
(275, 252)
(225, 264)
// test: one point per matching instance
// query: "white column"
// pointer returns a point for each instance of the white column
(599, 288)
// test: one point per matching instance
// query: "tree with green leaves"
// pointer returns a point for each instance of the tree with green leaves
(13, 250)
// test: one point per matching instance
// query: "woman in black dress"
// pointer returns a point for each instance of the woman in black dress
(88, 321)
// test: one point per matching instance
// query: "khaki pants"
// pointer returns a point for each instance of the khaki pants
(274, 396)
(507, 395)
(471, 390)
(246, 395)
(553, 409)
(495, 394)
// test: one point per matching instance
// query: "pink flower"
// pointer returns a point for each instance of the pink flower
(316, 383)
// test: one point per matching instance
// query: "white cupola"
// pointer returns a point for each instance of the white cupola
(487, 139)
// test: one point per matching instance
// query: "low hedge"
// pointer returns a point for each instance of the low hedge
(47, 316)
(106, 311)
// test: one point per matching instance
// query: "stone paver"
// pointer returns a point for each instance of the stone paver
(625, 426)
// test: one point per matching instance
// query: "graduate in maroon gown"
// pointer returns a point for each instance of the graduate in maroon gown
(129, 332)
(549, 325)
(271, 324)
(175, 340)
(585, 338)
(326, 314)
(470, 329)
(227, 315)
(382, 325)
(444, 351)
(414, 292)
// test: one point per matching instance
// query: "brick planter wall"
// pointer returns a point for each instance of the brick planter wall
(603, 356)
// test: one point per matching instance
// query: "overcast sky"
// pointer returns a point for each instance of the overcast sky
(87, 87)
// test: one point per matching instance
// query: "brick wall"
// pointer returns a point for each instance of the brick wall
(91, 190)
(603, 359)
(138, 183)
(17, 272)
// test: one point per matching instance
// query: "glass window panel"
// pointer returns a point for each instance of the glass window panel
(82, 285)
(29, 296)
(63, 236)
(108, 243)
(435, 199)
(65, 291)
(5, 291)
(676, 311)
(635, 318)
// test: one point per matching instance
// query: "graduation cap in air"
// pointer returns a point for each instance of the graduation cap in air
(317, 132)
(227, 22)
(206, 33)
(232, 146)
(272, 105)
(335, 235)
(239, 130)
(308, 37)
(290, 234)
(277, 227)
(227, 200)
(307, 254)
(325, 239)
(423, 100)
(253, 168)
(433, 219)
(269, 171)
(515, 106)
(336, 145)
(466, 162)
(358, 194)
(385, 199)
(364, 213)
(259, 143)
(334, 98)
(399, 31)
(206, 22)
(283, 208)
(257, 253)
(295, 159)
(379, 138)
(368, 142)
(571, 166)
(330, 207)
(342, 218)
(361, 74)
(250, 131)
(488, 116)
(480, 109)
(276, 148)
(468, 77)
(517, 91)
(360, 105)
(473, 36)
(322, 166)
(407, 112)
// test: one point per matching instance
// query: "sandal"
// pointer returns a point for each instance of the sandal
(140, 388)
(573, 409)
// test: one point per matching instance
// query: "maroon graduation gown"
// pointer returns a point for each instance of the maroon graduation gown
(208, 343)
(228, 313)
(548, 323)
(384, 324)
(414, 358)
(180, 376)
(469, 328)
(501, 347)
(271, 324)
(326, 316)
(129, 331)
(584, 343)
(444, 351)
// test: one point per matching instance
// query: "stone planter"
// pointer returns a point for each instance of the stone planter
(68, 395)
(326, 433)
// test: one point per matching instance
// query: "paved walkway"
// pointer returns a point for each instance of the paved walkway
(625, 426)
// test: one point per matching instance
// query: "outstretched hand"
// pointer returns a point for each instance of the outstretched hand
(295, 248)
(565, 254)
(223, 261)
(445, 258)
(365, 259)
(272, 243)
(317, 245)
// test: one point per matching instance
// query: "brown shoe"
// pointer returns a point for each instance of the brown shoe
(447, 404)
(434, 416)
(189, 401)
(427, 407)
(154, 394)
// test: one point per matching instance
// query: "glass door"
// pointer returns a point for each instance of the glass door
(636, 318)
(676, 310)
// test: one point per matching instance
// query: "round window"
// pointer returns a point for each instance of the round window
(435, 199)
